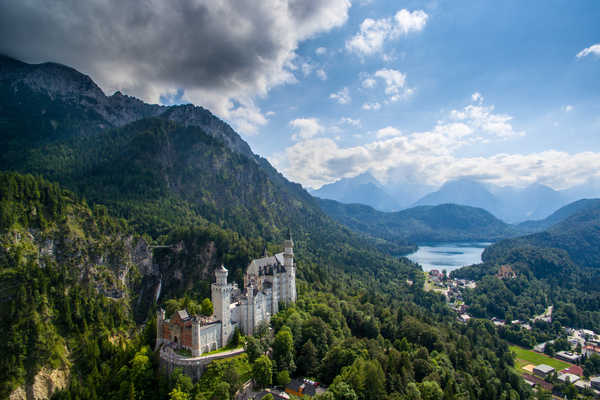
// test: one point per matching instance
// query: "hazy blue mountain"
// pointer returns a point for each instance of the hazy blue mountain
(462, 191)
(510, 204)
(361, 189)
(406, 194)
(590, 189)
(532, 202)
(560, 215)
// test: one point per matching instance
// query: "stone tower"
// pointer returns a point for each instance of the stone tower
(290, 270)
(221, 298)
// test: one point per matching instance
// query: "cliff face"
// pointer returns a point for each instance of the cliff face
(45, 383)
(110, 263)
(63, 94)
(65, 270)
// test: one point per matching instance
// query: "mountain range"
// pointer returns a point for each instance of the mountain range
(510, 204)
(163, 168)
(421, 224)
(577, 232)
(366, 189)
(442, 223)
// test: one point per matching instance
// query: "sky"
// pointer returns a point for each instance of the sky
(411, 91)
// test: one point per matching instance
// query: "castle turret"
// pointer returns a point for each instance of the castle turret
(221, 298)
(290, 270)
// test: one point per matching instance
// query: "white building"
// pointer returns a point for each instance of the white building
(268, 281)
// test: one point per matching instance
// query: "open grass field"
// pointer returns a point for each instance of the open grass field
(525, 357)
(520, 363)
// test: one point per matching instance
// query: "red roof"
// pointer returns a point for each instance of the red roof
(546, 385)
(573, 369)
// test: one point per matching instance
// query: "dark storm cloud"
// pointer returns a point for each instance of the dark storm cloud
(217, 51)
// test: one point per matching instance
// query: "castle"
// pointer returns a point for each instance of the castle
(268, 281)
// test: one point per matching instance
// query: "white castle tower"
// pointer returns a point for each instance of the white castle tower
(290, 270)
(221, 299)
(267, 282)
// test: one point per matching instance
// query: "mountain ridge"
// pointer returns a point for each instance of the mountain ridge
(441, 223)
(363, 189)
(65, 84)
(559, 215)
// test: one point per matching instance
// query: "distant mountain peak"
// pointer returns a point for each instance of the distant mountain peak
(463, 191)
(362, 189)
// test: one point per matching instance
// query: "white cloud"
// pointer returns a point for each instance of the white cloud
(307, 68)
(374, 32)
(371, 106)
(350, 121)
(369, 83)
(484, 119)
(434, 156)
(306, 128)
(388, 131)
(394, 84)
(593, 49)
(477, 97)
(321, 51)
(270, 113)
(190, 45)
(321, 74)
(567, 108)
(342, 97)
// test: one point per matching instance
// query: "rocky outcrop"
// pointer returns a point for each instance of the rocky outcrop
(141, 256)
(190, 115)
(45, 383)
(73, 88)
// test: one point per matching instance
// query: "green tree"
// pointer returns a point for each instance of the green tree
(236, 338)
(307, 362)
(262, 371)
(141, 370)
(283, 378)
(206, 307)
(342, 391)
(253, 348)
(430, 390)
(232, 377)
(221, 391)
(413, 392)
(177, 394)
(283, 350)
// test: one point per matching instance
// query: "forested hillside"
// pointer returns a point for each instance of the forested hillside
(578, 235)
(559, 215)
(68, 275)
(443, 223)
(556, 267)
(78, 285)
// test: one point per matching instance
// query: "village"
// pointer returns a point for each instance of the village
(556, 373)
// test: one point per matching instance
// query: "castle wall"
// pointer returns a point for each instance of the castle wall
(235, 311)
(192, 367)
(283, 287)
(209, 338)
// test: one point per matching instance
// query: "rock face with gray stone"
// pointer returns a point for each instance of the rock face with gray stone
(74, 89)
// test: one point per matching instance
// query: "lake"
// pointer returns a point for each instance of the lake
(448, 256)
